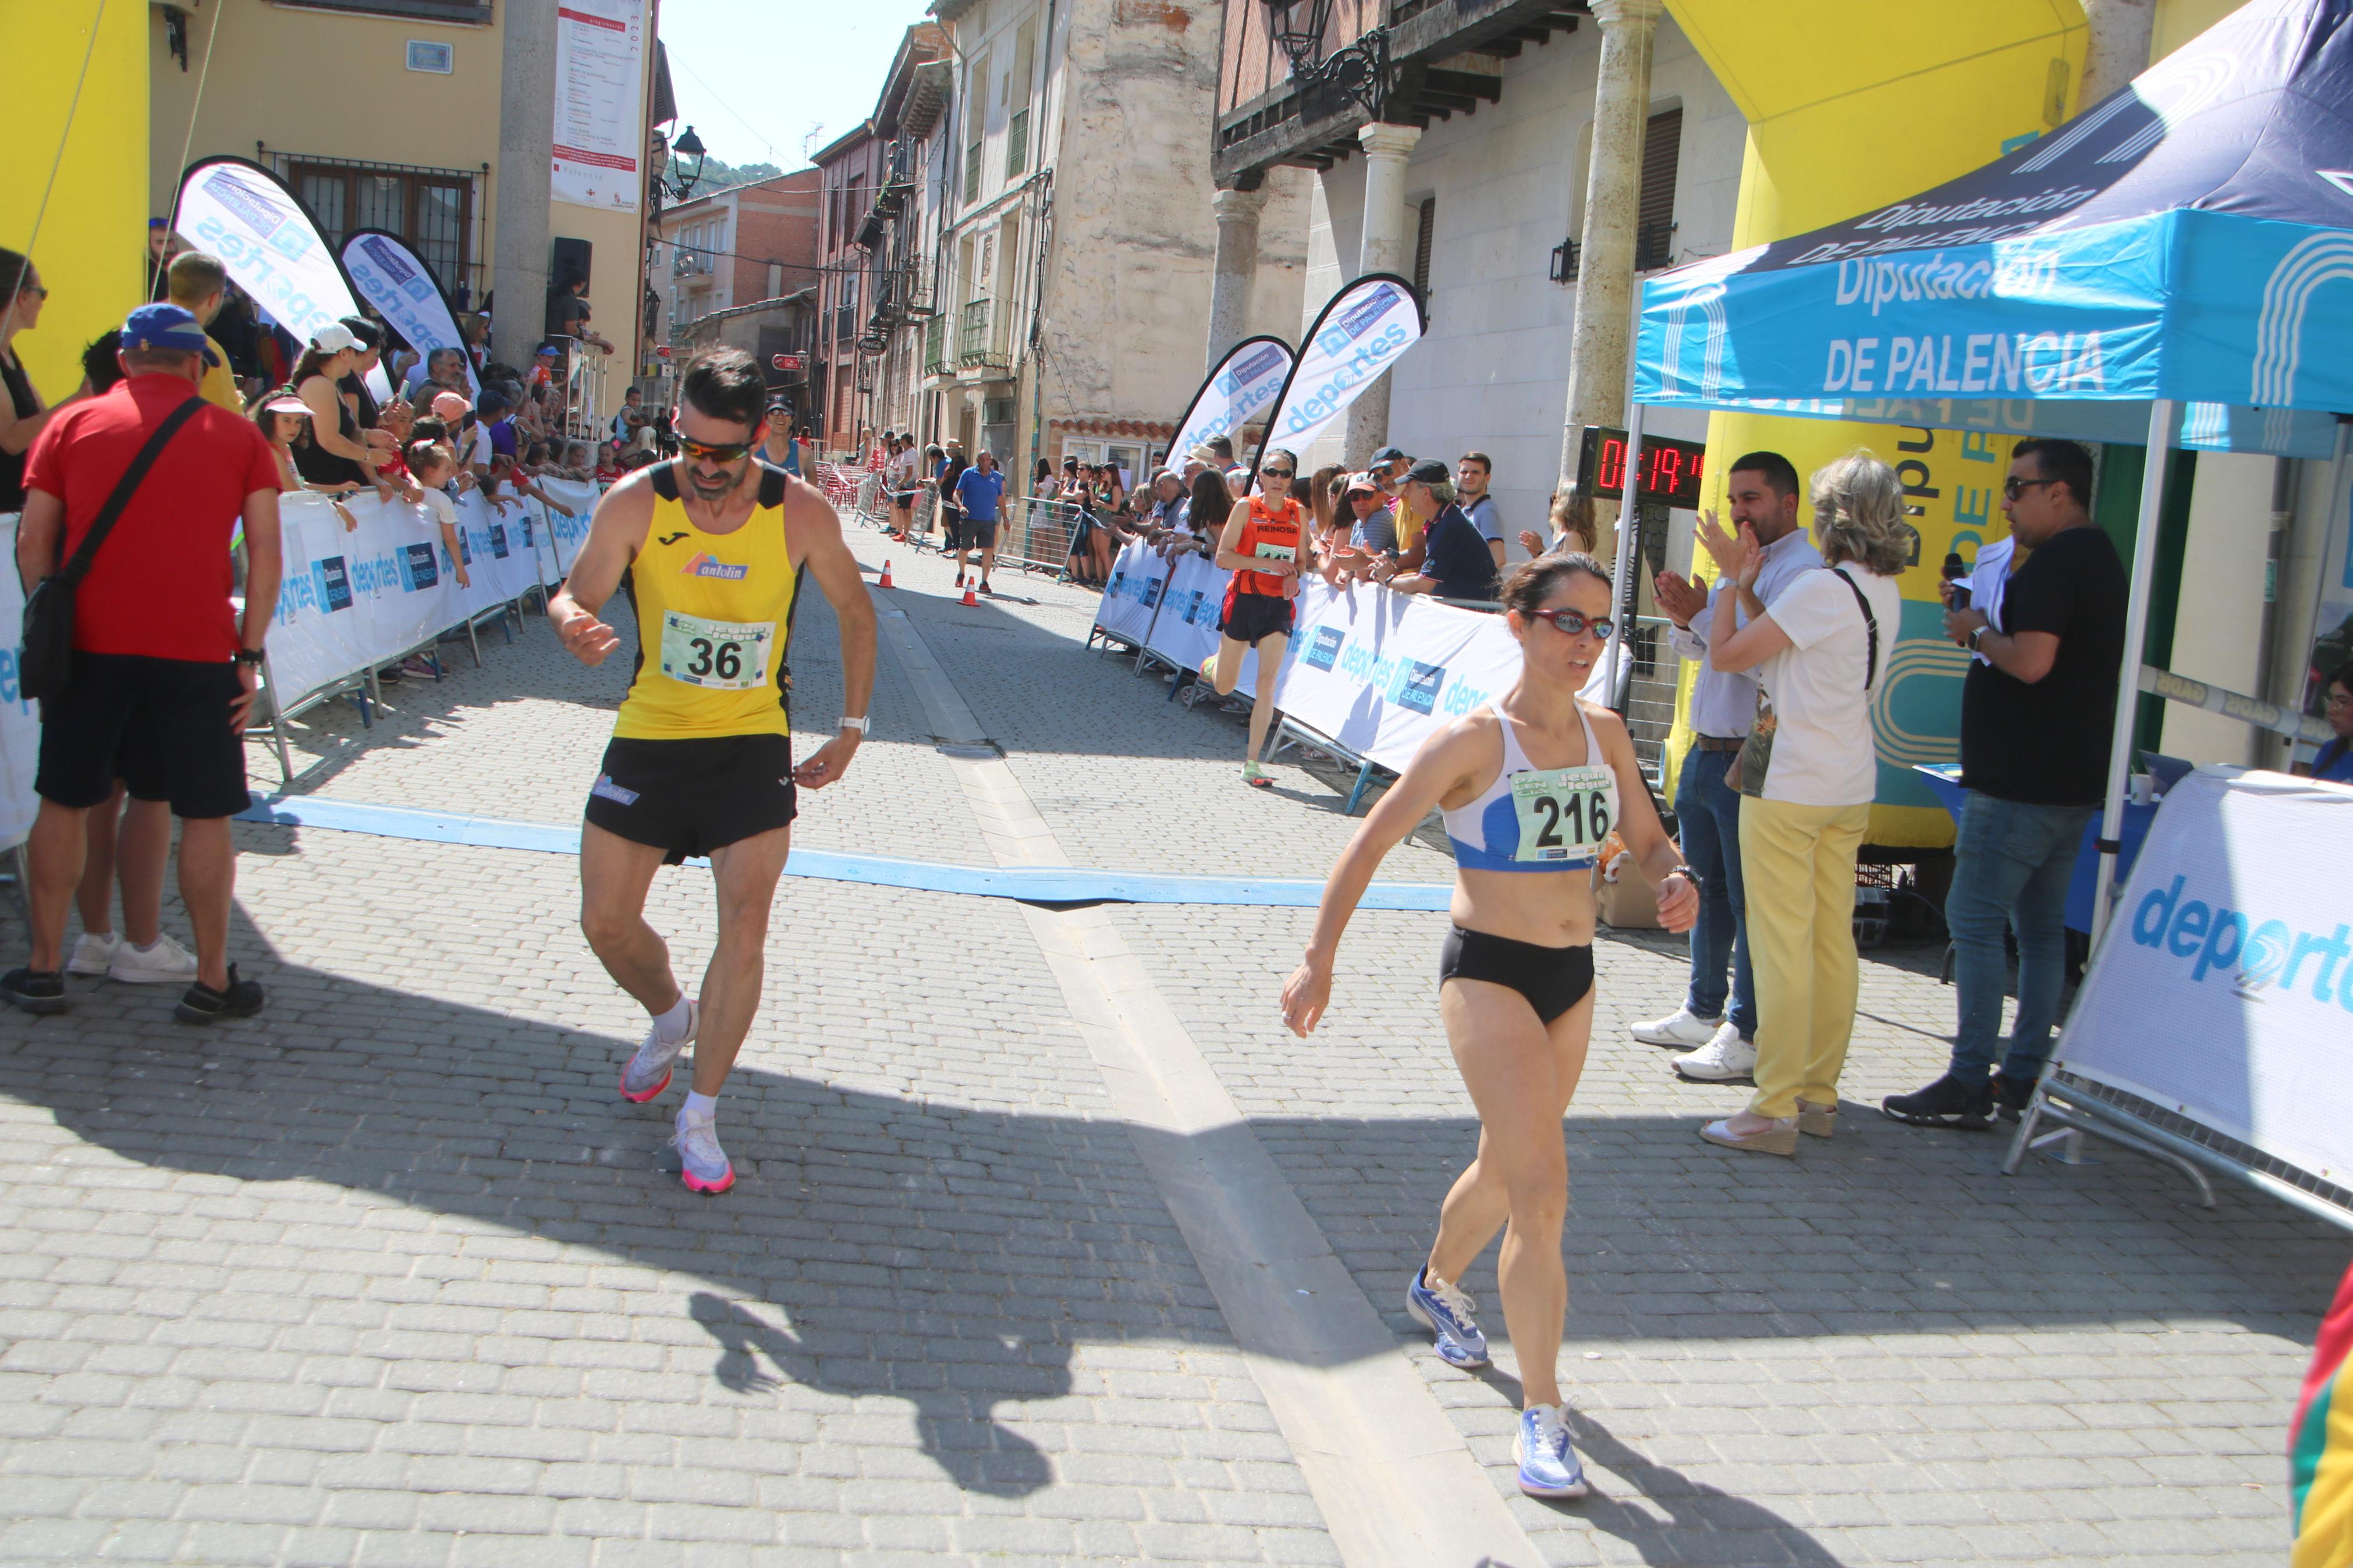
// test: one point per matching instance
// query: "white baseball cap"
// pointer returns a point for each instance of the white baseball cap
(334, 337)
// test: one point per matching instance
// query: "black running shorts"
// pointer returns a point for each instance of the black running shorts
(162, 724)
(1249, 616)
(691, 796)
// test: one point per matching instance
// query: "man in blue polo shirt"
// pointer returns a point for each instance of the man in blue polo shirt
(979, 490)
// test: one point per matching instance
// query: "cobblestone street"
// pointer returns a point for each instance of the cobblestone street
(388, 1274)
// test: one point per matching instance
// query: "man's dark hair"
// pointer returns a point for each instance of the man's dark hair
(724, 383)
(1223, 446)
(98, 361)
(370, 335)
(1481, 458)
(1781, 474)
(2066, 462)
(2343, 676)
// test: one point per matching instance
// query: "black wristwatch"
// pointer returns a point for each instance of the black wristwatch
(248, 656)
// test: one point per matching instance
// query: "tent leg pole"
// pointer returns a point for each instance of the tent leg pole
(1630, 523)
(2143, 577)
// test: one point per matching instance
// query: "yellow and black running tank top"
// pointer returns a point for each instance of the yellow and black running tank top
(714, 613)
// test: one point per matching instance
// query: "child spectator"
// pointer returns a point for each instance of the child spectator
(434, 468)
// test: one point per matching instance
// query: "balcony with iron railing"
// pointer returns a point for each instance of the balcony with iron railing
(976, 346)
(935, 347)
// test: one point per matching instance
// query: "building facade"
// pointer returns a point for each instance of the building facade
(1072, 242)
(747, 253)
(383, 114)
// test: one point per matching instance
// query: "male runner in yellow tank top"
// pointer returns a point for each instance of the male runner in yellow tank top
(701, 760)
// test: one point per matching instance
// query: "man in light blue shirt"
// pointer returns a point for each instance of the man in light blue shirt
(978, 490)
(1763, 492)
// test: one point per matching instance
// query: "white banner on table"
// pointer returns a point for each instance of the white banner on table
(1380, 672)
(1137, 577)
(1237, 392)
(395, 280)
(20, 717)
(1361, 332)
(600, 48)
(2224, 992)
(265, 238)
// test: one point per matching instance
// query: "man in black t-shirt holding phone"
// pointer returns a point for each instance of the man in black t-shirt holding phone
(2037, 713)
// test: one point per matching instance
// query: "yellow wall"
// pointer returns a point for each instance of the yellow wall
(267, 83)
(1852, 104)
(94, 228)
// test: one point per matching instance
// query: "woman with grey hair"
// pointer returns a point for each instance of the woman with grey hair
(1807, 777)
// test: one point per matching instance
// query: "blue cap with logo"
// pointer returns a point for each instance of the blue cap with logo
(166, 327)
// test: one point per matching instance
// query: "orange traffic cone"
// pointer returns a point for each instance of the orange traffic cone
(886, 575)
(970, 597)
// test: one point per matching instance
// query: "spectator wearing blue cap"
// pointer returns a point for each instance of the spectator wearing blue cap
(163, 671)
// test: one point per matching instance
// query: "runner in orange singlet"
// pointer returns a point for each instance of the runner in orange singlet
(1260, 546)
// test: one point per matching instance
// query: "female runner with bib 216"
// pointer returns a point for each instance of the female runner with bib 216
(1530, 786)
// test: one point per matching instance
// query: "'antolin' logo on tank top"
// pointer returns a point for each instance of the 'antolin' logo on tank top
(702, 566)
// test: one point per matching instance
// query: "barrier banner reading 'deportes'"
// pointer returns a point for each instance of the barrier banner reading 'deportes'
(1236, 393)
(1137, 577)
(267, 239)
(1380, 672)
(2224, 989)
(1361, 332)
(405, 292)
(352, 599)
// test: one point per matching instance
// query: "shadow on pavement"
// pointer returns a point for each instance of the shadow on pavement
(953, 1256)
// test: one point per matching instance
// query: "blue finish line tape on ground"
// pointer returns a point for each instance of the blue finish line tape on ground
(1033, 884)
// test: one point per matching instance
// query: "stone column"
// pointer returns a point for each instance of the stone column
(1605, 252)
(526, 129)
(2118, 49)
(1235, 269)
(1387, 247)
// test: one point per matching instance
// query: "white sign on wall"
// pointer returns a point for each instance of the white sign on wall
(599, 150)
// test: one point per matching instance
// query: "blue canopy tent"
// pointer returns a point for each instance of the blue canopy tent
(2155, 269)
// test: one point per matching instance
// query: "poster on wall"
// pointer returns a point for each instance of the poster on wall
(394, 279)
(270, 244)
(600, 48)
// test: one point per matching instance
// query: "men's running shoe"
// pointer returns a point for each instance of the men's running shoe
(1548, 1463)
(1947, 1103)
(165, 964)
(92, 954)
(1680, 1027)
(702, 1164)
(35, 990)
(2010, 1095)
(648, 1072)
(1445, 1310)
(1726, 1058)
(200, 1004)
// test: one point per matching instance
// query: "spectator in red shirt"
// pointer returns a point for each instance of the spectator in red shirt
(164, 674)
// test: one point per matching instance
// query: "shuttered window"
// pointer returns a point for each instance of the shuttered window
(1654, 214)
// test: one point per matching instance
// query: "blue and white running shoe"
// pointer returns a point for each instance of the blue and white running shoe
(1445, 1310)
(1548, 1464)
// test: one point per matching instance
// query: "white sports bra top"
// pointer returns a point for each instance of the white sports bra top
(1537, 819)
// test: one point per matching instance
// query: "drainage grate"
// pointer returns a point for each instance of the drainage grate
(972, 750)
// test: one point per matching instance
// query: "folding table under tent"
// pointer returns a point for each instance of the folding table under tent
(2158, 269)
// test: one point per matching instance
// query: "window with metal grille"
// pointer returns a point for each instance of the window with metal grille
(1654, 214)
(1425, 236)
(432, 209)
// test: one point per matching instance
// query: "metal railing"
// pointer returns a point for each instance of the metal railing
(972, 333)
(935, 347)
(1036, 533)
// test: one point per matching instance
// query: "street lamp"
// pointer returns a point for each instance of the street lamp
(687, 145)
(1357, 73)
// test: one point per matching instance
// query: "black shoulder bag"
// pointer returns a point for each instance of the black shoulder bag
(46, 666)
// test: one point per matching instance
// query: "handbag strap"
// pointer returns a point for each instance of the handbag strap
(72, 573)
(1869, 624)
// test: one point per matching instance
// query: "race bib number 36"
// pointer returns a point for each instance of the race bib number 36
(1564, 813)
(721, 656)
